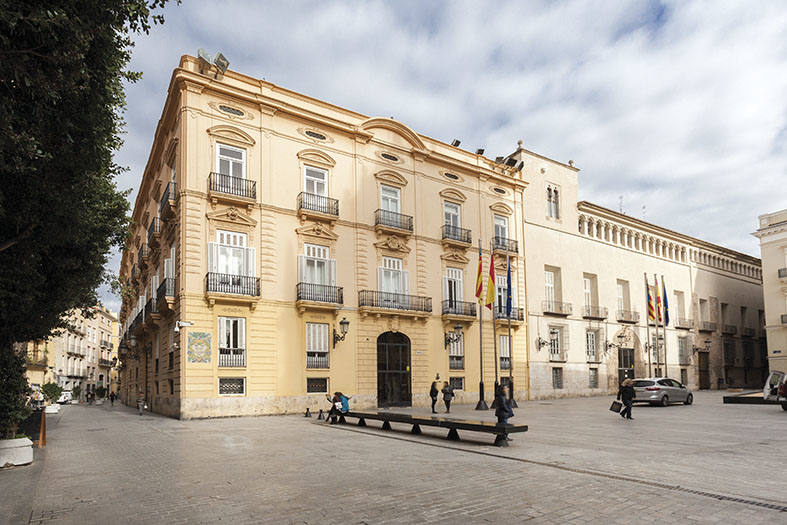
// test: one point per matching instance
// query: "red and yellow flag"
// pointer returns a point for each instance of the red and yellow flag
(658, 299)
(479, 282)
(490, 286)
(651, 308)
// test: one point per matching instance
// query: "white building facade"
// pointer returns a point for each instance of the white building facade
(772, 233)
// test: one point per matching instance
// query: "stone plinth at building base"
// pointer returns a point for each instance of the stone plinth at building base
(14, 452)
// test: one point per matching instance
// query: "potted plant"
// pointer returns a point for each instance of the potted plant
(75, 394)
(52, 393)
(14, 449)
(101, 393)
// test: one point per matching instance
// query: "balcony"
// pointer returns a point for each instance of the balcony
(165, 295)
(684, 359)
(458, 310)
(592, 356)
(505, 245)
(317, 207)
(627, 316)
(505, 363)
(683, 323)
(142, 256)
(392, 222)
(782, 273)
(517, 315)
(729, 329)
(232, 288)
(136, 324)
(151, 312)
(747, 332)
(456, 236)
(232, 357)
(558, 356)
(456, 362)
(556, 308)
(154, 231)
(707, 326)
(317, 360)
(104, 362)
(598, 313)
(783, 319)
(169, 199)
(36, 358)
(231, 189)
(318, 296)
(387, 303)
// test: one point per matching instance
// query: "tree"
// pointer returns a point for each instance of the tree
(76, 392)
(13, 393)
(62, 68)
(52, 392)
(101, 392)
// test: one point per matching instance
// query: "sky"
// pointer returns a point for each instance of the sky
(677, 108)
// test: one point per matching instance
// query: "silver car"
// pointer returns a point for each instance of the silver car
(661, 391)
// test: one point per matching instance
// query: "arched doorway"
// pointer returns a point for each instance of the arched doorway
(393, 370)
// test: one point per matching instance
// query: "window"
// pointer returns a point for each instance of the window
(231, 111)
(501, 226)
(683, 350)
(684, 376)
(389, 198)
(157, 389)
(680, 304)
(704, 314)
(316, 267)
(557, 378)
(590, 289)
(451, 212)
(501, 297)
(231, 161)
(391, 277)
(549, 286)
(155, 368)
(729, 352)
(315, 135)
(553, 202)
(593, 378)
(316, 385)
(171, 386)
(623, 295)
(505, 352)
(317, 355)
(452, 286)
(315, 181)
(557, 346)
(457, 383)
(456, 354)
(229, 255)
(388, 156)
(232, 341)
(591, 338)
(232, 386)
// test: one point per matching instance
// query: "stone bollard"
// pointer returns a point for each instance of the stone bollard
(307, 414)
(320, 416)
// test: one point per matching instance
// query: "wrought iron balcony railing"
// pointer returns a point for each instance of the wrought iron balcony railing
(104, 362)
(394, 301)
(232, 284)
(517, 314)
(627, 316)
(319, 293)
(456, 362)
(142, 256)
(151, 307)
(166, 289)
(505, 244)
(782, 272)
(729, 329)
(560, 356)
(232, 357)
(707, 326)
(221, 183)
(455, 233)
(393, 220)
(682, 322)
(747, 332)
(154, 228)
(453, 307)
(556, 308)
(170, 195)
(684, 359)
(784, 319)
(318, 203)
(505, 363)
(594, 312)
(317, 360)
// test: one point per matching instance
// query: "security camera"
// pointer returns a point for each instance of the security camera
(177, 328)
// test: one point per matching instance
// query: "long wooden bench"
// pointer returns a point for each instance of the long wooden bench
(500, 430)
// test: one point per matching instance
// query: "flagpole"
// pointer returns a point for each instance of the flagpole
(664, 302)
(658, 323)
(481, 402)
(647, 323)
(510, 340)
(494, 325)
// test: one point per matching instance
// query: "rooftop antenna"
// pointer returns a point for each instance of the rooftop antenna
(644, 212)
(620, 204)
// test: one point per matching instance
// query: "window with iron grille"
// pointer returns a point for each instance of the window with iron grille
(557, 378)
(593, 378)
(232, 386)
(684, 375)
(317, 355)
(590, 346)
(505, 352)
(316, 385)
(171, 386)
(457, 383)
(729, 352)
(156, 366)
(456, 354)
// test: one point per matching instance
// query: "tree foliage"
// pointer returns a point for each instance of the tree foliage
(62, 68)
(52, 392)
(13, 393)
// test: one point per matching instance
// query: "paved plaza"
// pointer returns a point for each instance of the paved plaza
(579, 463)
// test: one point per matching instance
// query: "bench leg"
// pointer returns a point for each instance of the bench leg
(341, 420)
(500, 440)
(361, 422)
(416, 429)
(386, 425)
(453, 435)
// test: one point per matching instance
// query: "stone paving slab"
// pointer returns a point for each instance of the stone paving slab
(110, 465)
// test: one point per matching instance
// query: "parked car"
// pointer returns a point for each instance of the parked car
(661, 391)
(65, 397)
(775, 388)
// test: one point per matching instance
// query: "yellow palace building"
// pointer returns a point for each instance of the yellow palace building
(283, 248)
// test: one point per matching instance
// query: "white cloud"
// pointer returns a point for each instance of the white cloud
(678, 105)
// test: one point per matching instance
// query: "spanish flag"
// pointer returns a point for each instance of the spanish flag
(651, 308)
(479, 282)
(490, 286)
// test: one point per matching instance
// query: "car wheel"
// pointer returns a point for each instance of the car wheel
(690, 400)
(784, 406)
(664, 401)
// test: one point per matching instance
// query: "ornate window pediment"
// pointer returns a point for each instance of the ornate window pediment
(453, 195)
(397, 127)
(391, 177)
(502, 209)
(394, 244)
(316, 156)
(232, 133)
(455, 256)
(317, 230)
(233, 216)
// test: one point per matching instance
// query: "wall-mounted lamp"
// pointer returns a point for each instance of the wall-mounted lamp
(453, 337)
(182, 324)
(695, 349)
(610, 345)
(344, 324)
(541, 342)
(455, 143)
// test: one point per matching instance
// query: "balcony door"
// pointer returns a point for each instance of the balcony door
(316, 266)
(231, 161)
(452, 291)
(549, 287)
(389, 199)
(231, 258)
(393, 283)
(315, 181)
(452, 215)
(501, 226)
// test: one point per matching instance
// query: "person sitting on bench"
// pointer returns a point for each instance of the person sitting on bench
(340, 406)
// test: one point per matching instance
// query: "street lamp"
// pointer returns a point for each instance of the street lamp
(541, 342)
(621, 337)
(453, 337)
(344, 325)
(695, 349)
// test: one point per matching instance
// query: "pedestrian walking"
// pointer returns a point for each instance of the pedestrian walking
(448, 395)
(627, 395)
(112, 397)
(503, 409)
(140, 402)
(433, 393)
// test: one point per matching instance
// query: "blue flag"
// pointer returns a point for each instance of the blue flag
(666, 306)
(508, 290)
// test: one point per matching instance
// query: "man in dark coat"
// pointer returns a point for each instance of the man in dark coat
(503, 409)
(627, 395)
